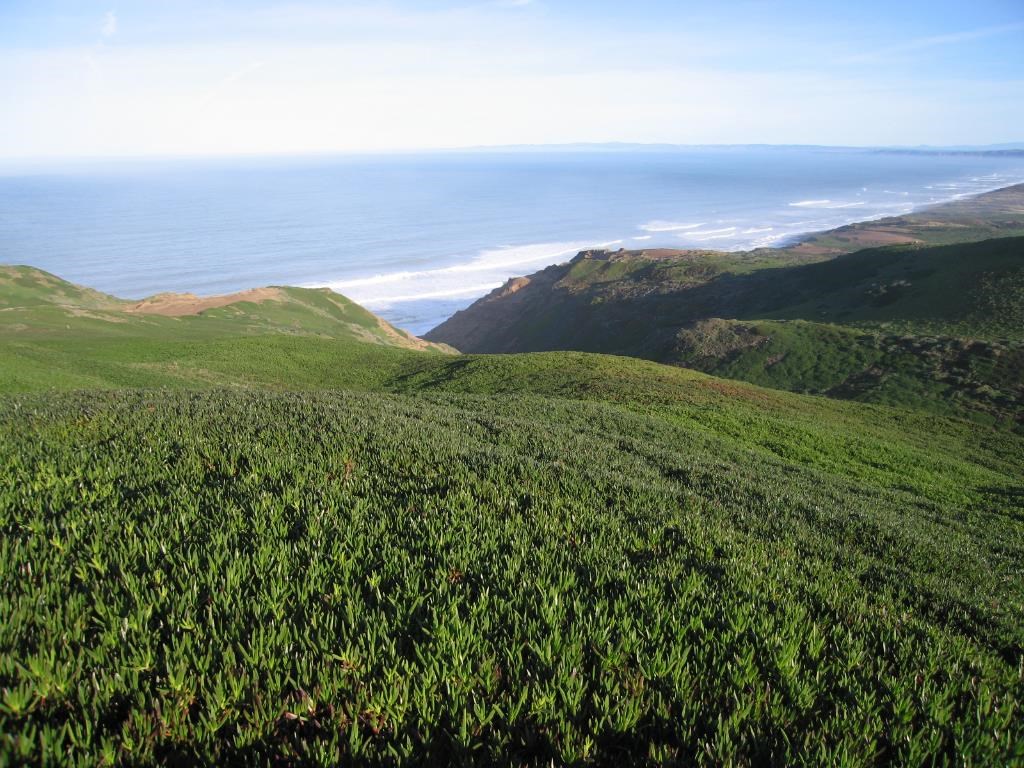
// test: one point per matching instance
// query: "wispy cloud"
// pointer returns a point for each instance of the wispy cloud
(923, 43)
(220, 88)
(109, 27)
(346, 75)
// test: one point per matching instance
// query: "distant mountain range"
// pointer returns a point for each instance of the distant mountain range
(667, 147)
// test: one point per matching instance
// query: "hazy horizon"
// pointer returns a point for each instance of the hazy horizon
(135, 79)
(90, 160)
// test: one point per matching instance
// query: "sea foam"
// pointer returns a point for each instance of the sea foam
(486, 271)
(668, 226)
(828, 204)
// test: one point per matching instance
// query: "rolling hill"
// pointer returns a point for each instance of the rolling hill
(56, 334)
(275, 531)
(934, 326)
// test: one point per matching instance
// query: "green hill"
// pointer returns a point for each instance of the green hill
(55, 334)
(304, 541)
(937, 327)
(628, 302)
(967, 378)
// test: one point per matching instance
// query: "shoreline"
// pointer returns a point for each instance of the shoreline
(416, 272)
(963, 197)
(861, 233)
(799, 242)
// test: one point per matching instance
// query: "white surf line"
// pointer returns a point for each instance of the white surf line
(448, 282)
(809, 203)
(667, 226)
(453, 293)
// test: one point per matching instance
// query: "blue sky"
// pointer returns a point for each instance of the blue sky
(83, 78)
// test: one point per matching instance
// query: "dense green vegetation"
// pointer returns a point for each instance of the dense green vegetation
(631, 302)
(973, 290)
(278, 533)
(939, 328)
(241, 576)
(51, 338)
(970, 378)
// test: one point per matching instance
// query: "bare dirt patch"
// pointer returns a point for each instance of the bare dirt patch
(402, 338)
(182, 304)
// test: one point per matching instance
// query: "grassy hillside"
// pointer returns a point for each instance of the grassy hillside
(971, 290)
(254, 576)
(511, 559)
(939, 327)
(629, 302)
(934, 328)
(661, 288)
(971, 378)
(55, 334)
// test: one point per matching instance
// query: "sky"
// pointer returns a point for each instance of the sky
(208, 77)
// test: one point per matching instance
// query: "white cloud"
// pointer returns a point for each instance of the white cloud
(109, 28)
(365, 98)
(380, 78)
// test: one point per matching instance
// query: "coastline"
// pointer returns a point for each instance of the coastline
(792, 239)
(909, 227)
(638, 302)
(420, 239)
(877, 229)
(805, 237)
(863, 233)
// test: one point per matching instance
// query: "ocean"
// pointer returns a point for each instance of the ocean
(415, 237)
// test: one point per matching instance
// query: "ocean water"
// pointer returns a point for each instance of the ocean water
(416, 237)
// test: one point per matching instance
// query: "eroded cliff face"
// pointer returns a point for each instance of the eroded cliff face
(488, 325)
(601, 301)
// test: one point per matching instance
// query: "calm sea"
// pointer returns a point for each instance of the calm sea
(416, 237)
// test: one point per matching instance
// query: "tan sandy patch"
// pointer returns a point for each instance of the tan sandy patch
(404, 339)
(182, 304)
(514, 285)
